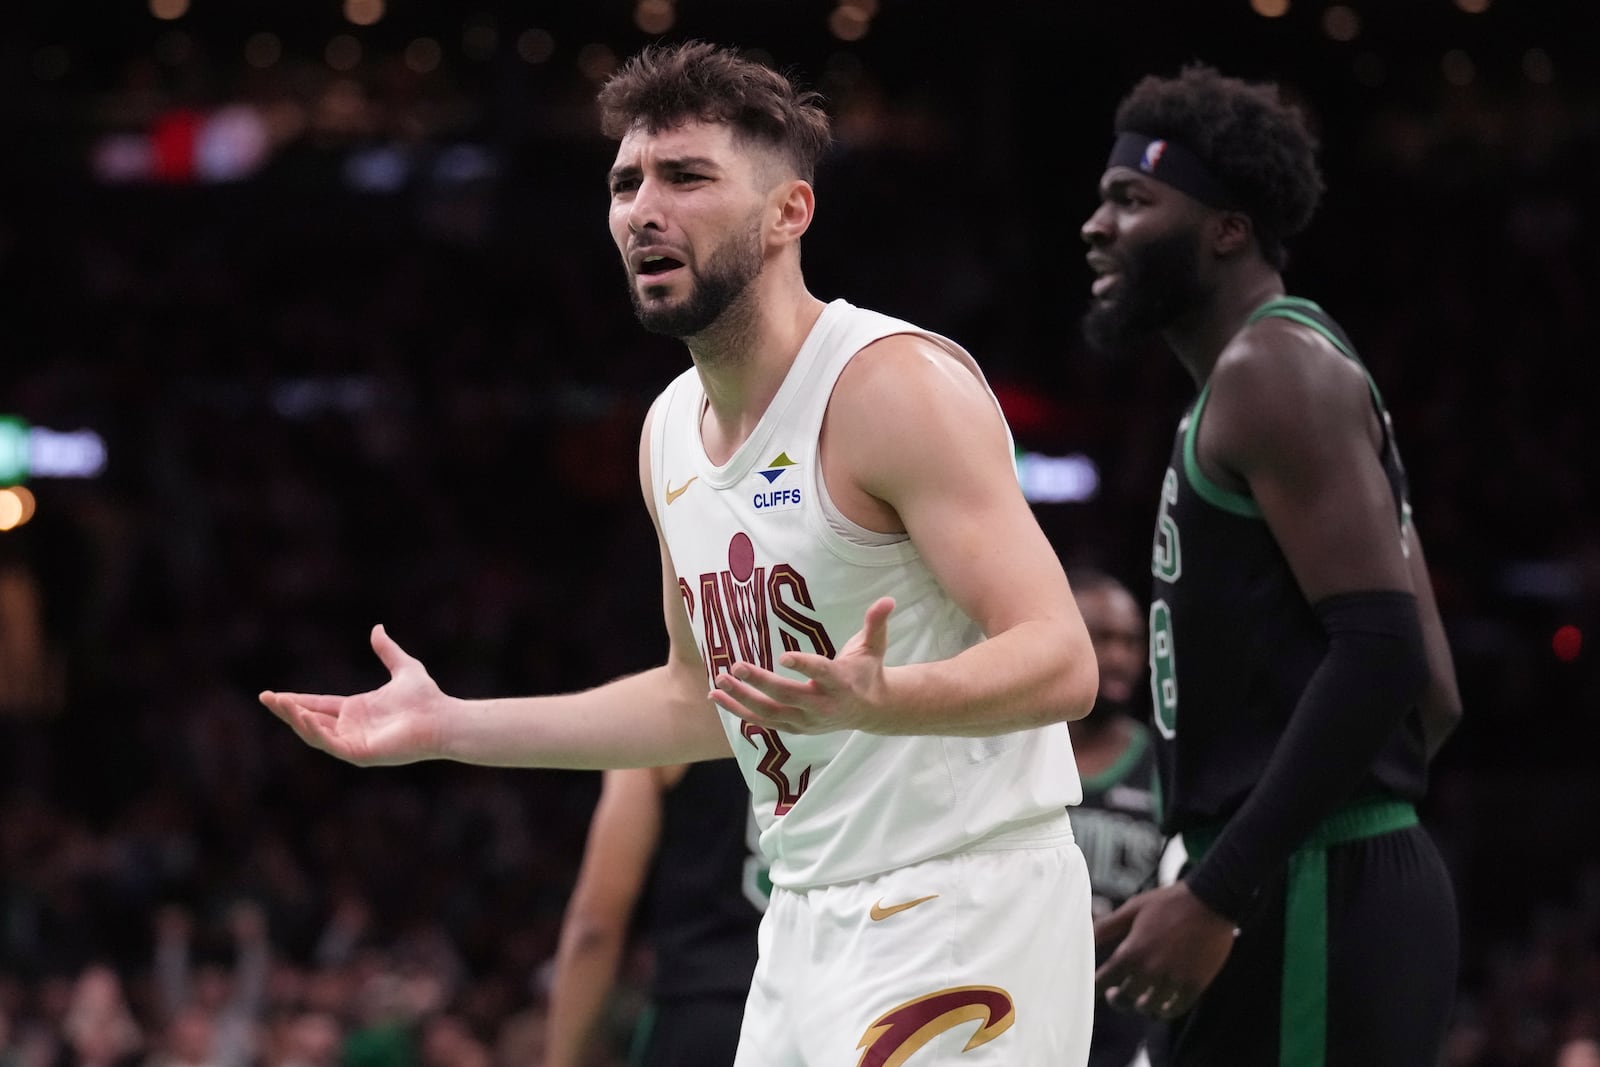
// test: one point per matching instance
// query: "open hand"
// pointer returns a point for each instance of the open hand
(399, 722)
(842, 693)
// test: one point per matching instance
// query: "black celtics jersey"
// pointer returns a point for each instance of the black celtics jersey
(709, 886)
(1115, 825)
(1233, 641)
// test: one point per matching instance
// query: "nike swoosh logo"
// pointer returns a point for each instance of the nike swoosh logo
(879, 912)
(673, 494)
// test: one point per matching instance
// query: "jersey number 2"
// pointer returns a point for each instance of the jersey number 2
(771, 767)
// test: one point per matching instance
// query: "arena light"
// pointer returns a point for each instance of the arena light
(423, 55)
(480, 38)
(34, 451)
(363, 12)
(1458, 68)
(263, 50)
(535, 46)
(849, 23)
(1537, 67)
(654, 16)
(1341, 22)
(1069, 479)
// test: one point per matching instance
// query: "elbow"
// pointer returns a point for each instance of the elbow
(1083, 688)
(1076, 680)
(1415, 669)
(1441, 710)
(589, 934)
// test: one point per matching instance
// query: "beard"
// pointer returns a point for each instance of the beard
(727, 275)
(1158, 283)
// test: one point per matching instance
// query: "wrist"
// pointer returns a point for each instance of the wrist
(1229, 899)
(452, 719)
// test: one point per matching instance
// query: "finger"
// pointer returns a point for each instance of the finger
(318, 731)
(1109, 930)
(1134, 993)
(1111, 976)
(728, 704)
(814, 667)
(279, 704)
(393, 656)
(321, 703)
(775, 687)
(1152, 1000)
(1162, 1002)
(875, 626)
(752, 701)
(1174, 1006)
(313, 728)
(1115, 997)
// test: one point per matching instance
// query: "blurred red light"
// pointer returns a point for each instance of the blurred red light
(1567, 643)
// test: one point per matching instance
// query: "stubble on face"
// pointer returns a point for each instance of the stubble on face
(1158, 282)
(727, 276)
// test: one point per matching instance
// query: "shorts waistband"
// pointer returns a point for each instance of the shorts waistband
(1358, 821)
(1047, 831)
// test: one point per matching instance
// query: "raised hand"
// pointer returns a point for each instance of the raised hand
(399, 722)
(842, 693)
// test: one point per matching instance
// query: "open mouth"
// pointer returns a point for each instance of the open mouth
(653, 265)
(1103, 284)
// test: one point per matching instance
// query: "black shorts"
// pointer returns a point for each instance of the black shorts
(1357, 967)
(693, 1032)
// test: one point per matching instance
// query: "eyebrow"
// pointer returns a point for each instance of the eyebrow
(675, 163)
(1123, 182)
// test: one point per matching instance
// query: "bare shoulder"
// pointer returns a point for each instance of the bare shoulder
(1279, 381)
(908, 415)
(911, 375)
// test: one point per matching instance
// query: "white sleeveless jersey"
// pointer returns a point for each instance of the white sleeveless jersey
(761, 571)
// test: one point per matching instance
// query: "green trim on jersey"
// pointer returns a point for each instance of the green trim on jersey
(1303, 1004)
(1119, 769)
(1238, 503)
(1295, 309)
(643, 1032)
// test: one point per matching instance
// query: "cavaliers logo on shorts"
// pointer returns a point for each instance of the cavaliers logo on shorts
(899, 1032)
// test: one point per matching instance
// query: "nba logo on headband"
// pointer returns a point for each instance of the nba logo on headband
(1152, 156)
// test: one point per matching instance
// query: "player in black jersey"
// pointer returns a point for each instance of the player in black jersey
(677, 839)
(1299, 669)
(1115, 825)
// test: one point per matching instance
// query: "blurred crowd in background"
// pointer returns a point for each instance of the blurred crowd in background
(357, 346)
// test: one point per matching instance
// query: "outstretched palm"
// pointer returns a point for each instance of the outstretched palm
(396, 723)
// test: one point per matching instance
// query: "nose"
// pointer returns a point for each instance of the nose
(645, 210)
(1096, 229)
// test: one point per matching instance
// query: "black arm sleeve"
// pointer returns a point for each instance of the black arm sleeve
(1375, 670)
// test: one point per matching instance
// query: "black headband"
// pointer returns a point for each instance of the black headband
(1171, 163)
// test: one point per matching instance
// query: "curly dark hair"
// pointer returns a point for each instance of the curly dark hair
(1258, 146)
(666, 85)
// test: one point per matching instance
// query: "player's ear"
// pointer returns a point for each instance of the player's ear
(1231, 231)
(796, 204)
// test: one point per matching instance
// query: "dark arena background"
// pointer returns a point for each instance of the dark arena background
(311, 321)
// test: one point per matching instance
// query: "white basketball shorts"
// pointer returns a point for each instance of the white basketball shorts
(983, 958)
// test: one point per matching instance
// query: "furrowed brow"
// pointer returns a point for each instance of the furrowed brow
(695, 163)
(619, 173)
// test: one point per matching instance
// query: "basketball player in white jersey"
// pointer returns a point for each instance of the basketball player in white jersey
(861, 609)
